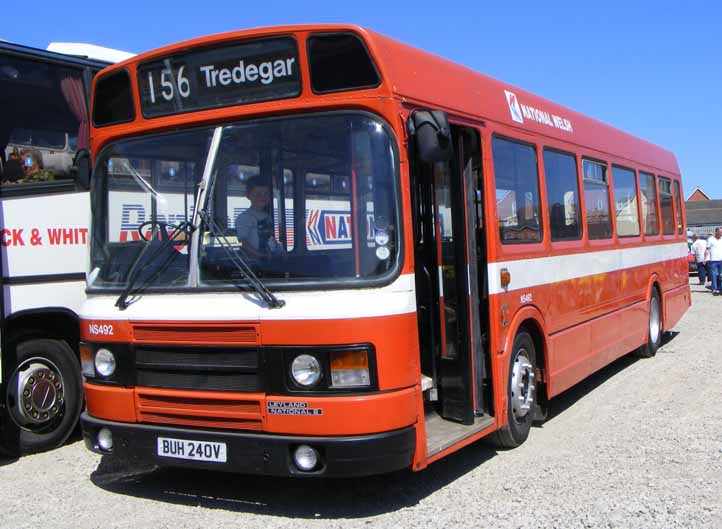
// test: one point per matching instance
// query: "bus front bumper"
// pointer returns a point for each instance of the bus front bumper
(257, 453)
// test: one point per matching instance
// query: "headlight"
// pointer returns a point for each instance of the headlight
(104, 362)
(306, 458)
(306, 370)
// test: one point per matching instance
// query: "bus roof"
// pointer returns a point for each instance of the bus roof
(91, 51)
(425, 79)
(49, 55)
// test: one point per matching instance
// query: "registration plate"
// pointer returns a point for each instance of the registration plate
(194, 450)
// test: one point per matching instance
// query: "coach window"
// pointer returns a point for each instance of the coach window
(560, 171)
(649, 203)
(678, 206)
(665, 199)
(596, 200)
(44, 120)
(517, 191)
(625, 202)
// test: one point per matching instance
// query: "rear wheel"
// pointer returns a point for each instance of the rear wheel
(654, 329)
(43, 395)
(521, 393)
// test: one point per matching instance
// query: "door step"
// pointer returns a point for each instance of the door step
(441, 434)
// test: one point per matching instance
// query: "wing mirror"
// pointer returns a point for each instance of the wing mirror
(82, 169)
(432, 134)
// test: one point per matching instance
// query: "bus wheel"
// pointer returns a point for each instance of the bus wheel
(521, 393)
(654, 330)
(44, 394)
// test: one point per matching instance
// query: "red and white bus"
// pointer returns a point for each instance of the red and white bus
(454, 252)
(44, 216)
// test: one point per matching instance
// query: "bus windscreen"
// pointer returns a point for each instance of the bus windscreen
(249, 72)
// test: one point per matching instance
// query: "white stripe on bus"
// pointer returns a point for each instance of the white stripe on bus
(527, 273)
(396, 298)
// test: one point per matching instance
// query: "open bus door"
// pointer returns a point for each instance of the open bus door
(448, 242)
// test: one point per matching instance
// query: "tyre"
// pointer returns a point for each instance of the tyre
(654, 329)
(43, 395)
(521, 393)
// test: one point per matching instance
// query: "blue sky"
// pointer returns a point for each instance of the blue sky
(651, 68)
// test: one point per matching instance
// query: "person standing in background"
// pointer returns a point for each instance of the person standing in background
(699, 247)
(714, 259)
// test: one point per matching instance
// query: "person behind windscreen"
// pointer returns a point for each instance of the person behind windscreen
(699, 248)
(714, 259)
(254, 227)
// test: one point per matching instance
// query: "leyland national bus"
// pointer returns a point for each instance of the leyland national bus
(433, 254)
(44, 216)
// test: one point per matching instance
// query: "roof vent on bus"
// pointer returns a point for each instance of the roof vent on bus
(340, 61)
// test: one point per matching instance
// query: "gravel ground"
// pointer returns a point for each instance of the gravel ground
(639, 444)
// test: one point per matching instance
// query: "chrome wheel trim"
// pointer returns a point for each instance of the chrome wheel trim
(523, 387)
(37, 397)
(655, 321)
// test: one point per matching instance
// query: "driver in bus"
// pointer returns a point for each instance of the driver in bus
(254, 227)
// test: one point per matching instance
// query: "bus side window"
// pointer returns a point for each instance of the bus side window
(45, 121)
(678, 207)
(649, 203)
(596, 199)
(625, 202)
(665, 198)
(517, 191)
(560, 170)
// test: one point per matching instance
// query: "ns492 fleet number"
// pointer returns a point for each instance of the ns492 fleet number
(100, 329)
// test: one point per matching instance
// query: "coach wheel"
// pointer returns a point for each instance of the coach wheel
(521, 393)
(654, 330)
(44, 394)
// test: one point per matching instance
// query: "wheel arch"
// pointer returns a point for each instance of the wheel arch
(50, 322)
(655, 284)
(530, 319)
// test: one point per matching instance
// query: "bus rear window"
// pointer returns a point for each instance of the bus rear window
(340, 62)
(113, 102)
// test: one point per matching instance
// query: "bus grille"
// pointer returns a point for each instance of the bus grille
(197, 333)
(205, 411)
(196, 368)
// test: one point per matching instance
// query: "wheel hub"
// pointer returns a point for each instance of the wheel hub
(654, 320)
(39, 398)
(522, 385)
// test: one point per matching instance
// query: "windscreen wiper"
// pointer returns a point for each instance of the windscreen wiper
(240, 263)
(131, 288)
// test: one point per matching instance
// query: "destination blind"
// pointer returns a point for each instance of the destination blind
(248, 72)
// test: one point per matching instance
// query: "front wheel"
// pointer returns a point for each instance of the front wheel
(654, 329)
(43, 395)
(521, 393)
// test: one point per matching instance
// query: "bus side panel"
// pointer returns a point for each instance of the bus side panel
(604, 339)
(567, 363)
(676, 302)
(37, 296)
(44, 235)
